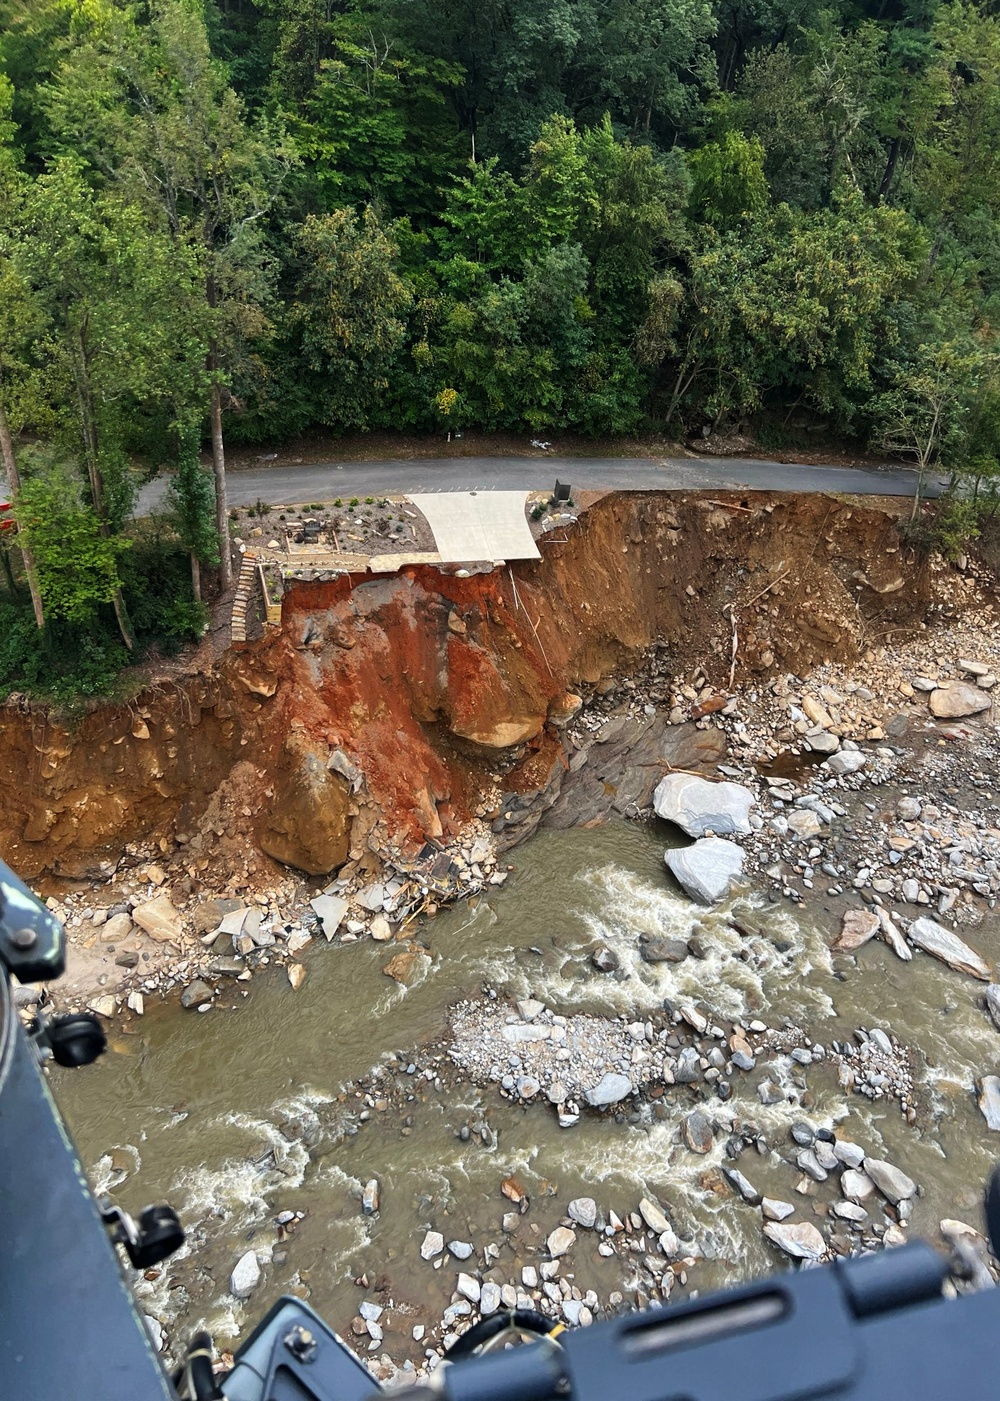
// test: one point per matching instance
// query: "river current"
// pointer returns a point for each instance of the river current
(253, 1108)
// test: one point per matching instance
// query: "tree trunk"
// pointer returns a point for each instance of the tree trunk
(890, 167)
(88, 427)
(196, 577)
(14, 480)
(221, 499)
(9, 571)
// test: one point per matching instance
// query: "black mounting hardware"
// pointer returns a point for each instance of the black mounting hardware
(74, 1040)
(31, 938)
(154, 1237)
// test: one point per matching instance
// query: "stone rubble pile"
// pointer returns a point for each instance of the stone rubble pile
(162, 936)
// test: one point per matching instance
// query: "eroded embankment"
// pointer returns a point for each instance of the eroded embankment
(406, 699)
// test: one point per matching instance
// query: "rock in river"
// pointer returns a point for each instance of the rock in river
(432, 1244)
(799, 1239)
(246, 1276)
(583, 1210)
(894, 1185)
(560, 1240)
(698, 806)
(993, 1003)
(934, 939)
(858, 927)
(196, 993)
(663, 950)
(698, 1132)
(989, 1101)
(706, 869)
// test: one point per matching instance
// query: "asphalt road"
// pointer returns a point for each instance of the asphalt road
(278, 484)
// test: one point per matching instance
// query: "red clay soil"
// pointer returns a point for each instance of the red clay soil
(433, 688)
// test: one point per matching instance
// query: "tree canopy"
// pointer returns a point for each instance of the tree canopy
(249, 220)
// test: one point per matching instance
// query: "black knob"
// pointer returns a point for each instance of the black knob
(76, 1040)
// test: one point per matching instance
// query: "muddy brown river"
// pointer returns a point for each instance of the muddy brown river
(238, 1114)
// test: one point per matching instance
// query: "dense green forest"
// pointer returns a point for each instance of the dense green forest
(225, 220)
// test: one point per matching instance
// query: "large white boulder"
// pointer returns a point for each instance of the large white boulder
(934, 939)
(698, 806)
(707, 868)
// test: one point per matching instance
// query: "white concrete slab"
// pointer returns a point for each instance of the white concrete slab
(478, 525)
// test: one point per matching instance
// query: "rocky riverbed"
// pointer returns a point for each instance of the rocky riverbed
(778, 1045)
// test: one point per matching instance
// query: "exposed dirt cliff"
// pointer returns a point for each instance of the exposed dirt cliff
(410, 697)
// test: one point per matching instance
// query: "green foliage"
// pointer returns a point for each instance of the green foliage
(728, 184)
(346, 318)
(64, 662)
(77, 565)
(191, 498)
(557, 215)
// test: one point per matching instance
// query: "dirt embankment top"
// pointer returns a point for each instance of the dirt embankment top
(411, 700)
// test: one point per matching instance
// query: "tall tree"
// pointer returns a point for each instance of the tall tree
(120, 326)
(190, 499)
(347, 313)
(20, 322)
(152, 110)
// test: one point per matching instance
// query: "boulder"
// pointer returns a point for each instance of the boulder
(196, 993)
(956, 699)
(858, 927)
(306, 825)
(845, 761)
(823, 742)
(891, 1181)
(159, 919)
(804, 824)
(117, 929)
(892, 936)
(653, 1217)
(660, 950)
(369, 1197)
(605, 960)
(560, 1240)
(583, 1210)
(934, 939)
(776, 1210)
(698, 806)
(563, 708)
(610, 1089)
(989, 1101)
(498, 734)
(245, 1276)
(856, 1184)
(330, 911)
(800, 1239)
(993, 1003)
(698, 1132)
(706, 869)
